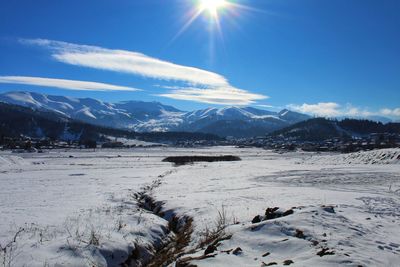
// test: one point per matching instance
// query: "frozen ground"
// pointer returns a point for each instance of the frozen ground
(83, 208)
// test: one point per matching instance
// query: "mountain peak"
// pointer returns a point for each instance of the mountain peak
(155, 116)
(283, 112)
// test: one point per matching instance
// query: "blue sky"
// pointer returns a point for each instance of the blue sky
(322, 57)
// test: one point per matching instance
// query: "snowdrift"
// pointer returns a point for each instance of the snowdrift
(380, 156)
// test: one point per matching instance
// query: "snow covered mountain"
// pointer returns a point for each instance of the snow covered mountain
(84, 109)
(154, 116)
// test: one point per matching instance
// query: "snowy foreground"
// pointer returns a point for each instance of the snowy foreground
(128, 208)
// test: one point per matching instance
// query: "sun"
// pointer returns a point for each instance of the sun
(212, 6)
(213, 10)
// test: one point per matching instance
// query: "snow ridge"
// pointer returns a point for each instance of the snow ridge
(152, 116)
(379, 156)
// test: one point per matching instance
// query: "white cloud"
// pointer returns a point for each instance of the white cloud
(216, 95)
(65, 84)
(202, 85)
(332, 109)
(324, 109)
(351, 111)
(265, 106)
(390, 112)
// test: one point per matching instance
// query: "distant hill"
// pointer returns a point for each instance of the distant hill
(240, 128)
(17, 121)
(156, 117)
(319, 129)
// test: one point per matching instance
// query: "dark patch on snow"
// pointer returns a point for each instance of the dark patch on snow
(210, 249)
(299, 234)
(329, 209)
(237, 251)
(270, 214)
(273, 213)
(182, 160)
(256, 219)
(324, 252)
(288, 262)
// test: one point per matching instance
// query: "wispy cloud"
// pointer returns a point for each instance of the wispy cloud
(324, 109)
(202, 85)
(265, 106)
(223, 95)
(332, 109)
(390, 112)
(64, 84)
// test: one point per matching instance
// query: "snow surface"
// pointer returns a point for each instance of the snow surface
(77, 207)
(133, 142)
(380, 156)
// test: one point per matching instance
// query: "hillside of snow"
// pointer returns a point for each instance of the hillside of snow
(153, 116)
(113, 207)
(379, 156)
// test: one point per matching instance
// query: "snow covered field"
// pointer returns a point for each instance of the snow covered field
(113, 207)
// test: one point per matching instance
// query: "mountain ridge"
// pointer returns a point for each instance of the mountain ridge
(319, 129)
(154, 116)
(23, 122)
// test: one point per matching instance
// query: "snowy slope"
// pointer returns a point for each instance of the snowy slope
(85, 109)
(78, 208)
(154, 116)
(379, 156)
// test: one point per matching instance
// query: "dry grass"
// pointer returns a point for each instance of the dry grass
(217, 233)
(180, 229)
(7, 251)
(173, 249)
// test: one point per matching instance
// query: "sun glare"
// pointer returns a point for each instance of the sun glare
(214, 10)
(212, 6)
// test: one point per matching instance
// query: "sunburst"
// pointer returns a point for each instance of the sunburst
(212, 6)
(214, 11)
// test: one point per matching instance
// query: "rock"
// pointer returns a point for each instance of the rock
(288, 262)
(210, 249)
(299, 234)
(329, 209)
(324, 252)
(288, 212)
(184, 264)
(256, 219)
(270, 216)
(273, 213)
(266, 254)
(237, 251)
(270, 213)
(227, 251)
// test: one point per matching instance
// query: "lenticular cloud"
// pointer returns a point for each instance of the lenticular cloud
(202, 85)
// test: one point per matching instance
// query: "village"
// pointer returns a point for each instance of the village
(338, 144)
